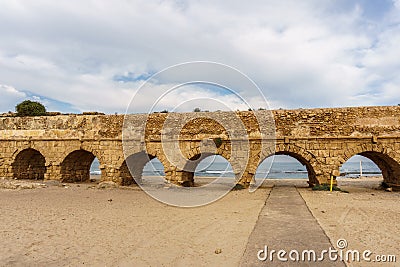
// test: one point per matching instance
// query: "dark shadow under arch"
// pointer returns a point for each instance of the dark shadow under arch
(29, 164)
(76, 166)
(131, 170)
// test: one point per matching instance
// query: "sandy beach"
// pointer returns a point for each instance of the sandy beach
(366, 217)
(55, 224)
(76, 225)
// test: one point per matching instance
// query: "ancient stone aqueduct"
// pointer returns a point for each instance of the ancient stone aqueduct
(63, 147)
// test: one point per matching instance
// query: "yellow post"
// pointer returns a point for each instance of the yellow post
(331, 183)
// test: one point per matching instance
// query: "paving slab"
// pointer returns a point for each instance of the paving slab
(286, 223)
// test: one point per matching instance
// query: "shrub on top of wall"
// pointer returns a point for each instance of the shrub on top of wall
(30, 108)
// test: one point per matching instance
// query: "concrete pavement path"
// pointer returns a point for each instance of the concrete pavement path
(286, 223)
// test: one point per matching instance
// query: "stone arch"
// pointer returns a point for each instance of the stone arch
(378, 148)
(76, 166)
(131, 170)
(191, 150)
(29, 163)
(300, 154)
(72, 146)
(386, 161)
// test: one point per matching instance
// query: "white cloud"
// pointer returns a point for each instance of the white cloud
(396, 3)
(301, 53)
(9, 97)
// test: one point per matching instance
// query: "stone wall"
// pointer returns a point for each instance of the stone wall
(329, 122)
(63, 147)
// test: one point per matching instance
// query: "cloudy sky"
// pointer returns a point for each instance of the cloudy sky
(78, 56)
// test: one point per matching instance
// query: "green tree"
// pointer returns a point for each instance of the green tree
(197, 110)
(30, 108)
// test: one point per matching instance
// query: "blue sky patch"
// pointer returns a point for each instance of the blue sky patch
(132, 77)
(52, 104)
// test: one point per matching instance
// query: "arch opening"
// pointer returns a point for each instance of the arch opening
(95, 171)
(206, 168)
(286, 165)
(153, 172)
(359, 166)
(375, 164)
(141, 167)
(29, 164)
(76, 167)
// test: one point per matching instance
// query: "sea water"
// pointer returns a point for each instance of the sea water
(291, 169)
